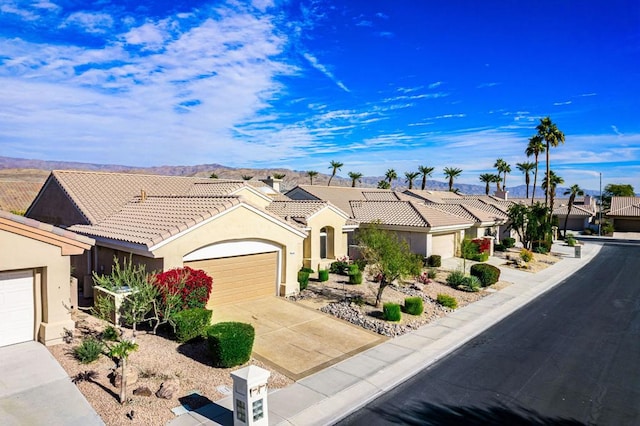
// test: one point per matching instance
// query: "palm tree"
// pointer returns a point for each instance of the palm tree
(335, 165)
(552, 137)
(526, 169)
(247, 177)
(213, 175)
(311, 174)
(504, 168)
(553, 182)
(451, 173)
(383, 184)
(411, 177)
(425, 171)
(279, 175)
(571, 192)
(488, 178)
(355, 176)
(390, 175)
(535, 148)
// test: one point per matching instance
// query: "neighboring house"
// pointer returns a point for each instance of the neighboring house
(165, 222)
(625, 214)
(37, 293)
(328, 228)
(16, 196)
(579, 217)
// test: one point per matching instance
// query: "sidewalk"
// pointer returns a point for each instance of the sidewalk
(331, 394)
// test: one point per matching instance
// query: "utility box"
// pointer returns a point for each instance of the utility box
(250, 396)
(578, 251)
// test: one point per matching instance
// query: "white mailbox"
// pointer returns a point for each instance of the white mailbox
(250, 396)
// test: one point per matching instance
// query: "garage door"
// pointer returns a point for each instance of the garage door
(626, 225)
(240, 278)
(444, 245)
(16, 307)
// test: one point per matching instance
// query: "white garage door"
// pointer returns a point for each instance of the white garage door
(444, 245)
(16, 307)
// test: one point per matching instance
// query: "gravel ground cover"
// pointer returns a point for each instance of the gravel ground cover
(158, 360)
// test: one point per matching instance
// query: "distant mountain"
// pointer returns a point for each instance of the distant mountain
(19, 169)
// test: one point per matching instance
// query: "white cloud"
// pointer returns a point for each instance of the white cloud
(89, 22)
(324, 70)
(151, 35)
(616, 131)
(562, 103)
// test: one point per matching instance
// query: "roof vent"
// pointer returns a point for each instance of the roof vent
(143, 196)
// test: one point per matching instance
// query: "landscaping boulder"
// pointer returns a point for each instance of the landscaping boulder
(142, 391)
(168, 389)
(132, 376)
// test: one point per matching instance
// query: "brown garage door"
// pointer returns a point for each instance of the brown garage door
(240, 278)
(626, 225)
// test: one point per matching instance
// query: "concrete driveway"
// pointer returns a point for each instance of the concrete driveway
(294, 339)
(35, 390)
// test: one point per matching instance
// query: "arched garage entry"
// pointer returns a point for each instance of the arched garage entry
(241, 270)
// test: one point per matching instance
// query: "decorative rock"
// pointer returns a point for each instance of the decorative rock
(168, 389)
(132, 377)
(142, 391)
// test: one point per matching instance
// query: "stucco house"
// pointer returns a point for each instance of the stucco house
(238, 232)
(36, 290)
(625, 214)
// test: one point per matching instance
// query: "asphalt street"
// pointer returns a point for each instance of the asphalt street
(570, 357)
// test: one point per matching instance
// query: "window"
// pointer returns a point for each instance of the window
(258, 411)
(323, 243)
(241, 409)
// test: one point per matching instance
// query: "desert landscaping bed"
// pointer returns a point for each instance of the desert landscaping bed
(158, 360)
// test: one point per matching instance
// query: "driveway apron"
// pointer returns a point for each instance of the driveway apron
(294, 339)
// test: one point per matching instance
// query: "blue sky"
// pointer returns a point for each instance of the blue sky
(295, 84)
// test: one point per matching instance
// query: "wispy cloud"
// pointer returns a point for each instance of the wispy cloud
(89, 22)
(324, 70)
(435, 84)
(562, 103)
(485, 85)
(385, 34)
(364, 23)
(616, 131)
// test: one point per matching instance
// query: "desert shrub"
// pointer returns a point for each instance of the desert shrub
(541, 250)
(471, 283)
(571, 241)
(193, 285)
(500, 247)
(455, 278)
(480, 257)
(191, 323)
(431, 273)
(230, 343)
(353, 269)
(355, 278)
(89, 350)
(526, 255)
(110, 334)
(509, 242)
(303, 279)
(413, 305)
(323, 275)
(307, 270)
(447, 301)
(607, 228)
(362, 263)
(487, 274)
(484, 245)
(339, 266)
(434, 261)
(391, 311)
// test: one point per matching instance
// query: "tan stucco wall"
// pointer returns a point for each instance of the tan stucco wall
(52, 273)
(252, 198)
(239, 224)
(329, 219)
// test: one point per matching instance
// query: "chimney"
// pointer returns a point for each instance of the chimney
(502, 195)
(143, 195)
(272, 182)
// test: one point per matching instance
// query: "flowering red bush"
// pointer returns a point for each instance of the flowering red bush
(483, 244)
(193, 286)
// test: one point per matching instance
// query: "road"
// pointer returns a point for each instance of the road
(570, 357)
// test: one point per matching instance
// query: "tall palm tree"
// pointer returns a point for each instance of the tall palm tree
(355, 176)
(279, 175)
(311, 174)
(504, 168)
(411, 176)
(425, 171)
(550, 187)
(390, 175)
(571, 192)
(451, 173)
(335, 166)
(488, 178)
(553, 137)
(383, 184)
(526, 169)
(536, 147)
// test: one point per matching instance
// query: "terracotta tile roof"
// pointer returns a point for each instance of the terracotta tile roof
(433, 196)
(296, 211)
(153, 220)
(17, 196)
(404, 213)
(99, 195)
(471, 213)
(495, 210)
(380, 196)
(215, 187)
(340, 196)
(625, 206)
(45, 227)
(575, 211)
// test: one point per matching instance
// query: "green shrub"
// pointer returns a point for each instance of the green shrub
(509, 242)
(500, 247)
(191, 323)
(110, 334)
(308, 270)
(230, 343)
(338, 267)
(571, 242)
(89, 350)
(362, 263)
(303, 279)
(355, 278)
(413, 305)
(353, 269)
(391, 311)
(434, 261)
(323, 275)
(471, 283)
(541, 250)
(431, 273)
(526, 255)
(447, 301)
(488, 274)
(455, 278)
(480, 257)
(607, 228)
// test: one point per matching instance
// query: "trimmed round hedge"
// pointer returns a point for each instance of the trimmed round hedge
(230, 343)
(413, 305)
(488, 274)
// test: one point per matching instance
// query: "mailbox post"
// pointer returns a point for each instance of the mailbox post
(250, 396)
